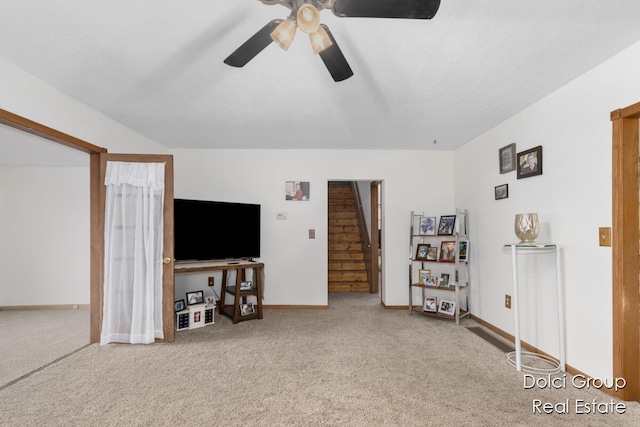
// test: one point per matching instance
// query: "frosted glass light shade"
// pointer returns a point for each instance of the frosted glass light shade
(320, 40)
(308, 18)
(284, 34)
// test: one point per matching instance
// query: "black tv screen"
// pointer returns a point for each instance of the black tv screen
(208, 230)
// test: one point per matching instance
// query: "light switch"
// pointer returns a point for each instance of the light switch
(312, 233)
(281, 215)
(605, 236)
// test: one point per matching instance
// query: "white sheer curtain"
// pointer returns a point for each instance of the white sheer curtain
(133, 236)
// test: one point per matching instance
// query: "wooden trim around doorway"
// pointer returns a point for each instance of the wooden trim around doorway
(625, 250)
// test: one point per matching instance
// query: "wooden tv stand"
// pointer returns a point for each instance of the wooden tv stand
(240, 267)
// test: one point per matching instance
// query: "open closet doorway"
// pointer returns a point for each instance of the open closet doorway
(354, 236)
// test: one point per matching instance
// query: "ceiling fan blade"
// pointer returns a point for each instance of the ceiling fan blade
(249, 49)
(334, 60)
(407, 9)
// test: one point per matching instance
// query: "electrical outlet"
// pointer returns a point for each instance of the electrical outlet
(211, 281)
(507, 301)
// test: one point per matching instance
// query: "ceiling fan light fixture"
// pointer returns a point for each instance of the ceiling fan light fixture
(320, 40)
(284, 34)
(308, 18)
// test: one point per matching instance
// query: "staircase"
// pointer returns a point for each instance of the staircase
(347, 266)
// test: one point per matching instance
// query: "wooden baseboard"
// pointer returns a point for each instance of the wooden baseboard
(528, 347)
(45, 307)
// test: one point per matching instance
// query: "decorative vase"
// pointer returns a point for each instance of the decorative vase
(527, 228)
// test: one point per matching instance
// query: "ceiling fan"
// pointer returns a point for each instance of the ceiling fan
(305, 15)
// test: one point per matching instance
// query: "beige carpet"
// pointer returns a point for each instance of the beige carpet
(30, 339)
(354, 364)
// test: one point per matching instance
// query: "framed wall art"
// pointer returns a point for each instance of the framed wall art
(502, 191)
(297, 190)
(507, 158)
(530, 162)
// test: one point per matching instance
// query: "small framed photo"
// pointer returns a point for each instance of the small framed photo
(422, 251)
(247, 309)
(530, 162)
(507, 158)
(423, 274)
(464, 250)
(431, 281)
(428, 225)
(297, 190)
(444, 280)
(430, 304)
(179, 305)
(446, 225)
(502, 191)
(448, 251)
(210, 300)
(432, 253)
(196, 297)
(447, 307)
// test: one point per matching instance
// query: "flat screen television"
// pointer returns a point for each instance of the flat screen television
(209, 230)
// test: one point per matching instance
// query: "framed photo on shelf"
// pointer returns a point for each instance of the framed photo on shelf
(530, 162)
(447, 307)
(422, 251)
(423, 274)
(196, 297)
(431, 281)
(430, 304)
(448, 251)
(507, 158)
(247, 309)
(179, 305)
(446, 225)
(432, 253)
(428, 225)
(444, 280)
(464, 250)
(502, 191)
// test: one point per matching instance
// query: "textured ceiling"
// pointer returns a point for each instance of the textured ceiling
(156, 67)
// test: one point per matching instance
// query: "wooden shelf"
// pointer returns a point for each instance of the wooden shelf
(439, 288)
(418, 309)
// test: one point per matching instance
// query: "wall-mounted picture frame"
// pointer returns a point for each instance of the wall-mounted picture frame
(430, 304)
(195, 297)
(530, 162)
(446, 225)
(428, 225)
(448, 251)
(463, 250)
(423, 274)
(502, 191)
(422, 251)
(179, 305)
(447, 307)
(297, 190)
(507, 158)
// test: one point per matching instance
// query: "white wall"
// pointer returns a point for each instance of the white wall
(572, 199)
(51, 267)
(295, 266)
